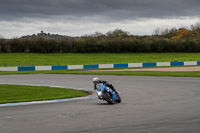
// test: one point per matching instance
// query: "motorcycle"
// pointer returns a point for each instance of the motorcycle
(105, 93)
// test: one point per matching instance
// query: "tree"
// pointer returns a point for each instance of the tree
(117, 33)
(195, 27)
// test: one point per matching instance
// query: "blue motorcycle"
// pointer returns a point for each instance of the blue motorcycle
(105, 93)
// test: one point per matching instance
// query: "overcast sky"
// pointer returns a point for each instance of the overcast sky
(81, 17)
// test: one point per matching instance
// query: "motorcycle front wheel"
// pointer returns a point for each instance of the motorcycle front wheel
(108, 98)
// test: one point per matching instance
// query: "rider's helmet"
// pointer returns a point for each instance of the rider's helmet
(95, 80)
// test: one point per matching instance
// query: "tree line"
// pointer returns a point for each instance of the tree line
(117, 41)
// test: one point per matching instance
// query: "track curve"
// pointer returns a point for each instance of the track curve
(149, 105)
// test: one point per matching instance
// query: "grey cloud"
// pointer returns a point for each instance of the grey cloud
(113, 9)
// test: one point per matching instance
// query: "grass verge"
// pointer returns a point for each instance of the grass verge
(24, 93)
(38, 59)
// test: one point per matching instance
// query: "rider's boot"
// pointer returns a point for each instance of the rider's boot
(117, 93)
(112, 87)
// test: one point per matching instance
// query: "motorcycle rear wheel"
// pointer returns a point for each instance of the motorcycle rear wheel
(119, 99)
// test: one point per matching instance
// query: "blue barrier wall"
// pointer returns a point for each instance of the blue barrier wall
(149, 64)
(28, 68)
(90, 66)
(59, 67)
(121, 65)
(177, 64)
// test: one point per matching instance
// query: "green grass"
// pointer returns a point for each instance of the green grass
(34, 59)
(29, 59)
(22, 93)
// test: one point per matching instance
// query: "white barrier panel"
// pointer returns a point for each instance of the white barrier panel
(134, 64)
(8, 68)
(190, 62)
(106, 66)
(75, 66)
(163, 63)
(43, 68)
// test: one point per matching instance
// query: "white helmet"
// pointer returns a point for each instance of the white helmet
(95, 79)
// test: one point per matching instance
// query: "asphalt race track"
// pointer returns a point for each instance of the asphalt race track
(149, 105)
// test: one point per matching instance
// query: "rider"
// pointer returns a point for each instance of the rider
(96, 80)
